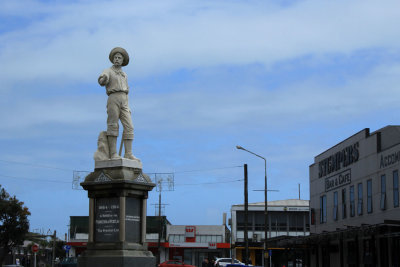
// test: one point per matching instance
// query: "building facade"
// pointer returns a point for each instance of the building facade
(285, 218)
(354, 200)
(193, 243)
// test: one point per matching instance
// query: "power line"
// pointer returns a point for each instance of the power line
(222, 182)
(64, 169)
(213, 169)
(33, 179)
(35, 165)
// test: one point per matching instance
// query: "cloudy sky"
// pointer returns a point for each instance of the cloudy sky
(284, 79)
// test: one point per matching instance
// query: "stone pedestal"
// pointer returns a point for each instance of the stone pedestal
(117, 191)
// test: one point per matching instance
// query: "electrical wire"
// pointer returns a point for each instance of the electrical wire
(213, 169)
(34, 179)
(222, 182)
(35, 165)
(64, 169)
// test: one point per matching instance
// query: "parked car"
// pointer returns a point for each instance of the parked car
(174, 263)
(225, 261)
(69, 262)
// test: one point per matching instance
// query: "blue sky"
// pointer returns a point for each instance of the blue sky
(284, 79)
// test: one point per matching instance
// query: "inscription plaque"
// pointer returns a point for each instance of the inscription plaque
(133, 220)
(106, 223)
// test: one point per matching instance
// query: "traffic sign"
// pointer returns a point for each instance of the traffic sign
(35, 248)
(66, 247)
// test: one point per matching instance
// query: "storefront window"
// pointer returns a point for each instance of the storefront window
(187, 256)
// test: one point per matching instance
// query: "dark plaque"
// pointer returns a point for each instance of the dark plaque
(133, 220)
(106, 223)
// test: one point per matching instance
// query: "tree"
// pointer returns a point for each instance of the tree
(14, 223)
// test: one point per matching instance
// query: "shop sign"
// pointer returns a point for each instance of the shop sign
(212, 245)
(188, 245)
(340, 159)
(387, 160)
(338, 180)
(190, 231)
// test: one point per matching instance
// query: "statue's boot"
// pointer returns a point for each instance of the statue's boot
(128, 150)
(112, 145)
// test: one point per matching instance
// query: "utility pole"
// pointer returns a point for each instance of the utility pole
(161, 179)
(246, 215)
(54, 249)
(160, 223)
(299, 191)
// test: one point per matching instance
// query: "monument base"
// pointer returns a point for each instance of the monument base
(120, 258)
(117, 191)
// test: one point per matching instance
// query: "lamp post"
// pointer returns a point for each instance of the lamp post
(265, 205)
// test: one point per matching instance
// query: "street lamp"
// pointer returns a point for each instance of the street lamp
(265, 206)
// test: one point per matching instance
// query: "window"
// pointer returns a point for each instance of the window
(208, 238)
(352, 204)
(335, 206)
(259, 221)
(296, 222)
(176, 238)
(344, 211)
(278, 221)
(360, 200)
(240, 220)
(369, 196)
(323, 209)
(395, 188)
(383, 192)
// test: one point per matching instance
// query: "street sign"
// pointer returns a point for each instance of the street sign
(66, 247)
(35, 248)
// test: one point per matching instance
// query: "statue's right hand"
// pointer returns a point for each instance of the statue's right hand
(103, 79)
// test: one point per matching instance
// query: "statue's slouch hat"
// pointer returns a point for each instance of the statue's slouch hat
(123, 53)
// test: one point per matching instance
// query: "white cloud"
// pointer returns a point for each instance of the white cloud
(308, 101)
(72, 40)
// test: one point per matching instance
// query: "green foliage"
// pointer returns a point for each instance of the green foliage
(14, 223)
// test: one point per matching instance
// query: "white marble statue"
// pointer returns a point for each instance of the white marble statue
(116, 82)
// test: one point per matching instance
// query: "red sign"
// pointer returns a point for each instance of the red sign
(212, 245)
(35, 248)
(190, 233)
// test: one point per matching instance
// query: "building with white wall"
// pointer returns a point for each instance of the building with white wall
(193, 243)
(288, 217)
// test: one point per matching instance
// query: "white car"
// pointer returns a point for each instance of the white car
(225, 261)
